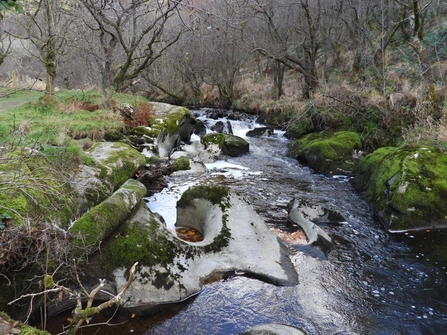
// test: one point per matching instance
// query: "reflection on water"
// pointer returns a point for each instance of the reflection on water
(371, 282)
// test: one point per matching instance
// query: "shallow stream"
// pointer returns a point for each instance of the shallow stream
(370, 283)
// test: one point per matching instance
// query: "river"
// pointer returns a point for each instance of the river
(372, 282)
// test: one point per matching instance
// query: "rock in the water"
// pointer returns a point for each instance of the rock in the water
(273, 329)
(406, 187)
(329, 153)
(235, 238)
(200, 129)
(262, 131)
(305, 215)
(218, 127)
(187, 127)
(230, 145)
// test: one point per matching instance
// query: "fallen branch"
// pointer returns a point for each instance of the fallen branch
(80, 315)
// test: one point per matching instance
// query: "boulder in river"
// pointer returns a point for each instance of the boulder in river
(306, 215)
(273, 329)
(329, 153)
(260, 131)
(235, 240)
(230, 145)
(406, 187)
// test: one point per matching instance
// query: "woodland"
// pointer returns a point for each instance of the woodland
(377, 67)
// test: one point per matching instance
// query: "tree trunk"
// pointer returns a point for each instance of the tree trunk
(278, 79)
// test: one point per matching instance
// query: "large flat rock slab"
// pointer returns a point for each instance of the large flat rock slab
(236, 241)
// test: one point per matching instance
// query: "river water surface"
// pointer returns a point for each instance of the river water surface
(370, 283)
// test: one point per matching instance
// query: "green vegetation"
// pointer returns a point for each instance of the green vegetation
(328, 152)
(216, 195)
(406, 186)
(181, 163)
(98, 223)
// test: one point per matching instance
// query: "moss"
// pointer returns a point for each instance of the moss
(85, 313)
(406, 186)
(118, 164)
(24, 329)
(103, 219)
(155, 249)
(113, 135)
(230, 145)
(213, 138)
(217, 195)
(328, 152)
(48, 282)
(170, 121)
(142, 131)
(181, 163)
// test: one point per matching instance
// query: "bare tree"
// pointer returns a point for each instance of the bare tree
(131, 35)
(415, 40)
(5, 43)
(291, 37)
(46, 24)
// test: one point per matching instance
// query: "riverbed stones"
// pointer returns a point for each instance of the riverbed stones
(236, 239)
(406, 187)
(329, 153)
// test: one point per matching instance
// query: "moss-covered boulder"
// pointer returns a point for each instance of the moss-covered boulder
(174, 124)
(328, 153)
(229, 145)
(110, 165)
(406, 187)
(171, 269)
(31, 186)
(98, 223)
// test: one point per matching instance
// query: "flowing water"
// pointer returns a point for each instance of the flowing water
(370, 283)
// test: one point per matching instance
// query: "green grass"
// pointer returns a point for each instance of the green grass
(58, 128)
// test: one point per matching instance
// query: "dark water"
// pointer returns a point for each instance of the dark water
(370, 283)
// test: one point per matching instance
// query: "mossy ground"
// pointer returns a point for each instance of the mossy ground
(31, 187)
